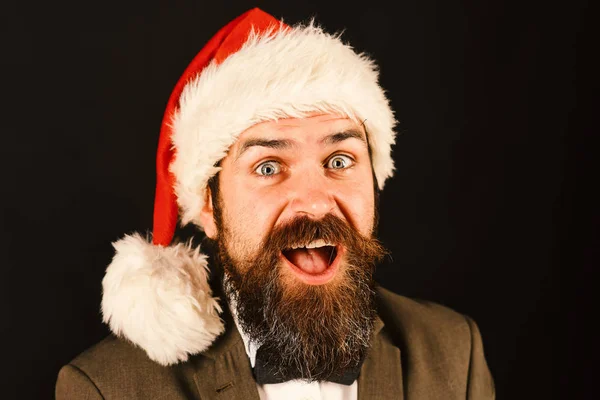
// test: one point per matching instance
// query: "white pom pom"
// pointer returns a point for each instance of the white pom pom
(159, 299)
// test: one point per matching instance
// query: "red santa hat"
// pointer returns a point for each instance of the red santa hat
(254, 69)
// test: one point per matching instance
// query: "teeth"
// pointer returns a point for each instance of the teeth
(312, 245)
(316, 243)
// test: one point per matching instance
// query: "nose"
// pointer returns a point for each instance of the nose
(312, 196)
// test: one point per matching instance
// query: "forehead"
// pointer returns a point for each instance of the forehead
(312, 128)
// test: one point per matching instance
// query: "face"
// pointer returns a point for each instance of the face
(278, 171)
(294, 232)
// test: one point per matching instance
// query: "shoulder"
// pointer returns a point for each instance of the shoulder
(442, 349)
(425, 328)
(112, 368)
(418, 314)
(99, 360)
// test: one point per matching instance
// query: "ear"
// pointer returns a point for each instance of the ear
(207, 216)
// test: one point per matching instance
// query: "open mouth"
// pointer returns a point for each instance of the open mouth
(314, 262)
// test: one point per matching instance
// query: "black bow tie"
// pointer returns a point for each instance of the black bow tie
(264, 374)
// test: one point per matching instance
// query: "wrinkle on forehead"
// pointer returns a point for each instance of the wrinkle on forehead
(270, 129)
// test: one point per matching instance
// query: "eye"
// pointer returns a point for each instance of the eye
(268, 168)
(339, 161)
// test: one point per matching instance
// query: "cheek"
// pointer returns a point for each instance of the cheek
(247, 216)
(358, 204)
(365, 214)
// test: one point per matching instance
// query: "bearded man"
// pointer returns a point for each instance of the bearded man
(275, 141)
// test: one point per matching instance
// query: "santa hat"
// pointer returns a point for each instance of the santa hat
(254, 69)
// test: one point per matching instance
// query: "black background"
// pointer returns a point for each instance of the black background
(492, 210)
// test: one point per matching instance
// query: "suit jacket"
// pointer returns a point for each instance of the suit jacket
(420, 350)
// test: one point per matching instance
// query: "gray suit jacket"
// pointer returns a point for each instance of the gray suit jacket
(420, 350)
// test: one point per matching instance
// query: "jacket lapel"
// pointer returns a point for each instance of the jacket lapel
(381, 373)
(224, 371)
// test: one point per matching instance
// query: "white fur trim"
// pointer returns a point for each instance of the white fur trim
(159, 299)
(288, 73)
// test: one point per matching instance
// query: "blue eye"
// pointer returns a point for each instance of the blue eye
(339, 162)
(268, 168)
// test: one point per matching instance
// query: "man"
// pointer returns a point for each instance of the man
(275, 142)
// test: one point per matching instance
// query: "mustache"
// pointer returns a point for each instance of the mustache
(330, 229)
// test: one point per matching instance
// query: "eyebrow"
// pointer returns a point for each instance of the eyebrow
(270, 143)
(341, 136)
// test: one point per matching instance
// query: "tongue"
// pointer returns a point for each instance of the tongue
(311, 261)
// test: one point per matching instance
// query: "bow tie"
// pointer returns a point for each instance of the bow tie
(264, 374)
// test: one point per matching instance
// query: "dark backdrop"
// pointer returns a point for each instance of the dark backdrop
(489, 211)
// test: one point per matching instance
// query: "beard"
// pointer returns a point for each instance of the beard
(311, 332)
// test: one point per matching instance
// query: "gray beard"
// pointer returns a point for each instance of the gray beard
(305, 331)
(307, 337)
